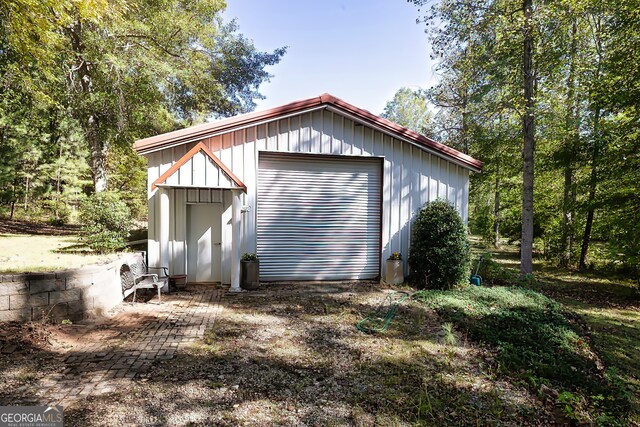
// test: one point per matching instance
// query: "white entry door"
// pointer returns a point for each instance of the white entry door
(204, 238)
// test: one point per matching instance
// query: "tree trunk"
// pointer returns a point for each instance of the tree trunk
(88, 119)
(58, 177)
(598, 145)
(13, 199)
(465, 122)
(566, 240)
(98, 155)
(528, 150)
(570, 145)
(464, 105)
(54, 139)
(593, 184)
(496, 208)
(26, 194)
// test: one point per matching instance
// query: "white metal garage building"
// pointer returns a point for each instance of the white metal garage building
(320, 189)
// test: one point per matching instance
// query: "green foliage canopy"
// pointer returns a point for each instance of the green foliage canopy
(410, 109)
(82, 79)
(587, 121)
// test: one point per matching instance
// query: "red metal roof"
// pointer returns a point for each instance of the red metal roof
(203, 130)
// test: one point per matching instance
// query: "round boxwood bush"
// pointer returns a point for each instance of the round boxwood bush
(439, 256)
(105, 222)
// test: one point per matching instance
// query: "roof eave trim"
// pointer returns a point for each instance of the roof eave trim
(408, 134)
(394, 134)
(227, 124)
(215, 132)
(167, 140)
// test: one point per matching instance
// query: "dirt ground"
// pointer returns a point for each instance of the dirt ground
(291, 355)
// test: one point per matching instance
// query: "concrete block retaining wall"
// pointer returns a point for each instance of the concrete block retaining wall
(69, 294)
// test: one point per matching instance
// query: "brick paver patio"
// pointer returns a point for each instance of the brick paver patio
(115, 351)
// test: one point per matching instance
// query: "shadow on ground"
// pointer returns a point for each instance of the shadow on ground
(284, 356)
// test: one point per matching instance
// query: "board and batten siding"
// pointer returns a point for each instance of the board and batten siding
(411, 177)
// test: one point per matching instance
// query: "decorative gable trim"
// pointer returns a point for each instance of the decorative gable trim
(184, 159)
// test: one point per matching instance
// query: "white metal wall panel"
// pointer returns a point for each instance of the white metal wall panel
(320, 132)
(318, 217)
(226, 236)
(199, 171)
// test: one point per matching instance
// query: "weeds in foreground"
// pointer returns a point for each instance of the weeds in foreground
(424, 409)
(27, 377)
(448, 336)
(537, 342)
(39, 330)
(209, 344)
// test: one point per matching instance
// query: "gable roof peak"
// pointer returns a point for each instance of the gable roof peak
(326, 100)
(199, 148)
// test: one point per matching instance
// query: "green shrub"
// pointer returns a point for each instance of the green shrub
(105, 221)
(493, 273)
(439, 256)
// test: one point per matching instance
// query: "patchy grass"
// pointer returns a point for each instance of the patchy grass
(291, 355)
(615, 333)
(608, 305)
(23, 253)
(536, 341)
(25, 356)
(36, 247)
(533, 337)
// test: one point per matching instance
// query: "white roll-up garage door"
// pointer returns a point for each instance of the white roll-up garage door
(318, 217)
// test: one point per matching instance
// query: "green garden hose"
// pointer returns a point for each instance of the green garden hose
(379, 320)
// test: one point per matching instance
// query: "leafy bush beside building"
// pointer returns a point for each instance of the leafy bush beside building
(105, 222)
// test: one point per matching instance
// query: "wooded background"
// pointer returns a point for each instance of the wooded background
(545, 93)
(81, 80)
(550, 84)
